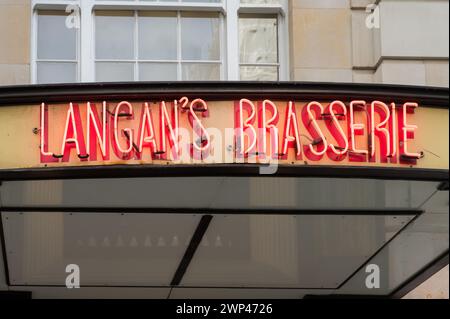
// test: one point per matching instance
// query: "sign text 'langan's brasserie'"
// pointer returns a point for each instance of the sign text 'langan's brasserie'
(353, 133)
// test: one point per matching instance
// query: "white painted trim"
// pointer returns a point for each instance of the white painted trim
(179, 53)
(222, 49)
(87, 41)
(283, 42)
(33, 47)
(232, 43)
(136, 47)
(158, 6)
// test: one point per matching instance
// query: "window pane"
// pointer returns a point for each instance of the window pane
(260, 1)
(201, 1)
(114, 72)
(200, 36)
(111, 249)
(54, 39)
(157, 71)
(287, 251)
(210, 1)
(56, 72)
(201, 72)
(258, 39)
(259, 73)
(157, 36)
(114, 34)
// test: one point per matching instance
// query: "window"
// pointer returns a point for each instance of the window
(56, 49)
(157, 46)
(159, 40)
(258, 47)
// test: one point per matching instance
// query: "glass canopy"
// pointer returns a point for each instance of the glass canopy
(310, 235)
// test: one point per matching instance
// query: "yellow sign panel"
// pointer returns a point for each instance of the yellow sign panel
(370, 133)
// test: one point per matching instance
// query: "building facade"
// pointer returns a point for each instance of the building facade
(331, 41)
(400, 42)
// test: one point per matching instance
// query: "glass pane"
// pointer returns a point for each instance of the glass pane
(54, 39)
(110, 249)
(114, 34)
(208, 1)
(260, 1)
(304, 251)
(114, 72)
(258, 40)
(422, 241)
(56, 72)
(201, 72)
(259, 73)
(157, 71)
(220, 193)
(157, 36)
(200, 1)
(200, 36)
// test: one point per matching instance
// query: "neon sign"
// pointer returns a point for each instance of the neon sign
(264, 130)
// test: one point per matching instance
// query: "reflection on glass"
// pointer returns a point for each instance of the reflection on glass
(56, 72)
(260, 1)
(207, 1)
(110, 249)
(114, 35)
(54, 40)
(287, 251)
(201, 1)
(258, 40)
(259, 73)
(157, 71)
(419, 244)
(201, 72)
(114, 71)
(200, 36)
(157, 36)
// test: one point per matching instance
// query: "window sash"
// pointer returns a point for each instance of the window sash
(262, 65)
(179, 60)
(36, 61)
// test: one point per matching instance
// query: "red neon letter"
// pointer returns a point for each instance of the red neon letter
(46, 156)
(199, 150)
(123, 153)
(394, 133)
(291, 126)
(408, 133)
(380, 130)
(146, 137)
(268, 125)
(337, 111)
(245, 127)
(355, 129)
(168, 126)
(97, 131)
(73, 135)
(309, 115)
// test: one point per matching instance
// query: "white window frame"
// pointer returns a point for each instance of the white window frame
(229, 43)
(278, 10)
(179, 61)
(51, 6)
